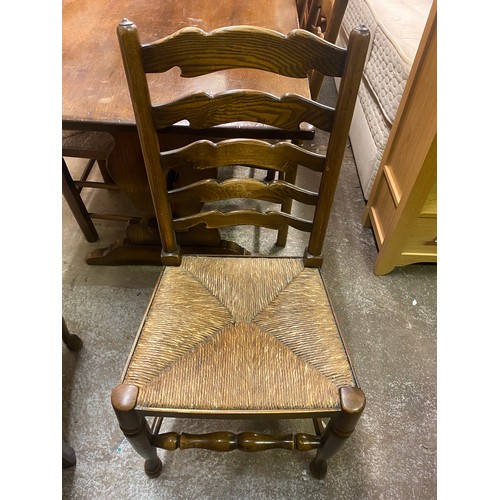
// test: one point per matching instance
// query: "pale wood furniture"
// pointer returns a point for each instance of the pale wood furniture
(95, 95)
(402, 207)
(230, 336)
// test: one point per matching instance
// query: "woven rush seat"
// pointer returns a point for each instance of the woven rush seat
(248, 321)
(87, 144)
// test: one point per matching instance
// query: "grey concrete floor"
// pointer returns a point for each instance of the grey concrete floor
(388, 322)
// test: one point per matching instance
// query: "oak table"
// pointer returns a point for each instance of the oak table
(95, 94)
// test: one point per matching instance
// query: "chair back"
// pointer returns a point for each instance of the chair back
(197, 53)
(309, 12)
(313, 13)
(333, 11)
(324, 18)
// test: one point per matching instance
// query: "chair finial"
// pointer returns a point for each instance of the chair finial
(126, 22)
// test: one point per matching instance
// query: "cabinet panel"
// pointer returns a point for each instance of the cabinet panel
(383, 211)
(430, 206)
(422, 239)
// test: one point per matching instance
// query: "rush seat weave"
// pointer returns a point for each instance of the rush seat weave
(239, 334)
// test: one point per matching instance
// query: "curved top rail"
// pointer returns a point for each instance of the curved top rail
(197, 52)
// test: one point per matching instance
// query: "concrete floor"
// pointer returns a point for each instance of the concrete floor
(389, 324)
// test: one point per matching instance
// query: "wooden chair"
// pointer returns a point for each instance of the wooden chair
(228, 336)
(95, 147)
(323, 18)
(331, 16)
(309, 13)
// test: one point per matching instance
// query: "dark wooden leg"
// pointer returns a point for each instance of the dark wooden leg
(73, 342)
(315, 82)
(68, 456)
(340, 427)
(104, 172)
(76, 205)
(271, 175)
(135, 427)
(286, 207)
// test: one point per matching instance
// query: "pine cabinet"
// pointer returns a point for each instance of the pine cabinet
(402, 207)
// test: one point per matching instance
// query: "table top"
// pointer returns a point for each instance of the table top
(94, 87)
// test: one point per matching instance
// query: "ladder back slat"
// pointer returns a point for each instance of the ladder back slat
(216, 219)
(249, 152)
(204, 111)
(211, 190)
(197, 53)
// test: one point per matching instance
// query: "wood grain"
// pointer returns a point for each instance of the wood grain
(218, 219)
(197, 53)
(94, 90)
(211, 190)
(203, 110)
(243, 441)
(206, 154)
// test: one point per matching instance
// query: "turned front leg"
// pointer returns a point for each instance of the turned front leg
(340, 427)
(135, 427)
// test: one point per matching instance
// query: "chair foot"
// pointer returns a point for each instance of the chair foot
(318, 468)
(68, 456)
(73, 342)
(153, 467)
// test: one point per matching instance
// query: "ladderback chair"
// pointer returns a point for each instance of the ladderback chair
(333, 12)
(95, 147)
(323, 18)
(249, 337)
(309, 14)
